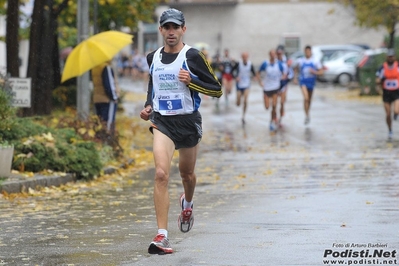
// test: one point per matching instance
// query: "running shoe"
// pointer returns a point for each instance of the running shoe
(390, 135)
(395, 116)
(273, 126)
(186, 217)
(160, 245)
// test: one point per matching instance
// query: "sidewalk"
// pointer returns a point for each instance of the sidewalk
(299, 196)
(17, 183)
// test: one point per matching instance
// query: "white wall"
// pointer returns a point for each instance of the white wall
(3, 61)
(259, 27)
(23, 51)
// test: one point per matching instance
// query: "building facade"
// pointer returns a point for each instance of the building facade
(257, 26)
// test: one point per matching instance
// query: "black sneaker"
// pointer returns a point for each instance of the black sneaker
(186, 217)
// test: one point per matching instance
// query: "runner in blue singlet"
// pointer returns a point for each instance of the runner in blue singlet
(308, 69)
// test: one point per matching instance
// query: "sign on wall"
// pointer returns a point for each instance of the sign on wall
(21, 92)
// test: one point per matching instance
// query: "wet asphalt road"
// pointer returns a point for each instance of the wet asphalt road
(300, 196)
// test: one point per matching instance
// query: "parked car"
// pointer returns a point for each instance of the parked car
(341, 67)
(324, 52)
(362, 45)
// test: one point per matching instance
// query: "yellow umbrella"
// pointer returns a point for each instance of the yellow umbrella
(93, 51)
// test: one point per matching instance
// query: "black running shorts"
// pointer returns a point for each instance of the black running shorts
(271, 93)
(389, 96)
(184, 130)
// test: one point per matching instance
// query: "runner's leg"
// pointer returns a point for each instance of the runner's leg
(387, 107)
(245, 104)
(396, 107)
(282, 101)
(239, 94)
(163, 149)
(310, 93)
(187, 159)
(306, 103)
(266, 101)
(274, 107)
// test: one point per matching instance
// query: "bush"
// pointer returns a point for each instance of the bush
(7, 112)
(38, 148)
(64, 96)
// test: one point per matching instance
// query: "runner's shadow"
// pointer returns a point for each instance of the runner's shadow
(308, 134)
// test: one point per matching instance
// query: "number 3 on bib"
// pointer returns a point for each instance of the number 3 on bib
(171, 103)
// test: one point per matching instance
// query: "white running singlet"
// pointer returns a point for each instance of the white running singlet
(170, 96)
(244, 74)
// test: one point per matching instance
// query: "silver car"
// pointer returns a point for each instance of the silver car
(341, 67)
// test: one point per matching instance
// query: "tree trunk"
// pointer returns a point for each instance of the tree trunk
(33, 58)
(12, 40)
(56, 59)
(43, 65)
(40, 66)
(392, 38)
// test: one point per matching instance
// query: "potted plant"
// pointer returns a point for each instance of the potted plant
(6, 157)
(7, 113)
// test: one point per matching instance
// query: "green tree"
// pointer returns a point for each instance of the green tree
(375, 13)
(113, 14)
(48, 17)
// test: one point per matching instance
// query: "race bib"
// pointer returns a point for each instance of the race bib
(306, 72)
(171, 103)
(391, 84)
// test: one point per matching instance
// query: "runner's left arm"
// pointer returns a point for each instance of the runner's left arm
(206, 81)
(235, 70)
(253, 72)
(319, 69)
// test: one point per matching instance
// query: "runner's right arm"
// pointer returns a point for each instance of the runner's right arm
(148, 102)
(379, 75)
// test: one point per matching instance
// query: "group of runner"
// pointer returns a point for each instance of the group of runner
(273, 76)
(133, 65)
(276, 72)
(178, 74)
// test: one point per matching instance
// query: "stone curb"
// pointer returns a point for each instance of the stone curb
(40, 181)
(18, 186)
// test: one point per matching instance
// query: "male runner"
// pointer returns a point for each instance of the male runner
(271, 82)
(178, 73)
(284, 82)
(308, 69)
(228, 64)
(243, 72)
(388, 77)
